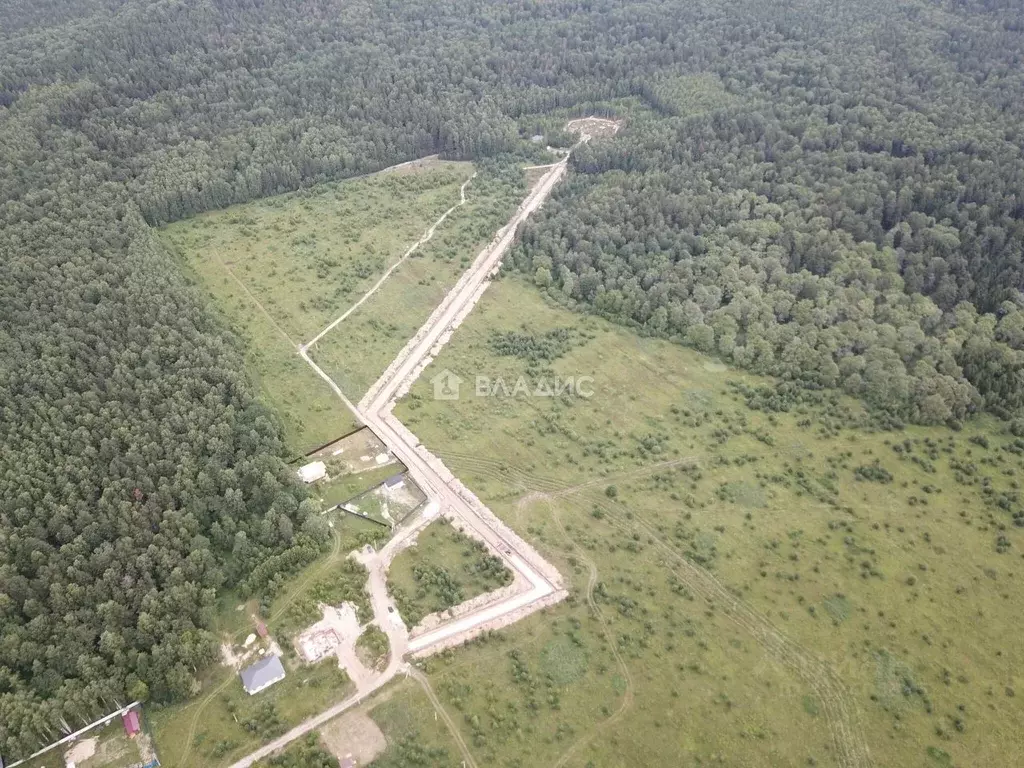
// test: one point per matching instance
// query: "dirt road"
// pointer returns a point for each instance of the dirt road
(543, 580)
(542, 583)
(447, 494)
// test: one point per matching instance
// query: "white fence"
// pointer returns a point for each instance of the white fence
(71, 737)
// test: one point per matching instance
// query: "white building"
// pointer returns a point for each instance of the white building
(313, 472)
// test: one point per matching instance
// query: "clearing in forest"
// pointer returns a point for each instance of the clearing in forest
(281, 268)
(689, 95)
(762, 564)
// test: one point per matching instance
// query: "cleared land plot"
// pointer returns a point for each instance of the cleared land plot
(351, 454)
(444, 568)
(358, 351)
(890, 555)
(104, 747)
(389, 503)
(597, 127)
(233, 723)
(282, 268)
(349, 487)
(114, 749)
(354, 734)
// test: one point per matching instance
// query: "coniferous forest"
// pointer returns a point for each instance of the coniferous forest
(829, 191)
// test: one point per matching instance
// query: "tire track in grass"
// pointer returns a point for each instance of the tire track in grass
(841, 714)
(842, 717)
(257, 302)
(425, 238)
(195, 720)
(628, 695)
(491, 469)
(424, 682)
(335, 551)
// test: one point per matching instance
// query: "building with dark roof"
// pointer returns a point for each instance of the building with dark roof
(263, 674)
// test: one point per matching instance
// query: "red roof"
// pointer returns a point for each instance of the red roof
(261, 629)
(131, 722)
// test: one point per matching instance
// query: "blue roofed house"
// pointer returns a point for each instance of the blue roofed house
(263, 674)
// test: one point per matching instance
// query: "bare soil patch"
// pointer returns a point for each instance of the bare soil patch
(81, 751)
(358, 452)
(595, 127)
(354, 734)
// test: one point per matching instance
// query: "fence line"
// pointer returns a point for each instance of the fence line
(71, 737)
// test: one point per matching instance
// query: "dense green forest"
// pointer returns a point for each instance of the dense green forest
(840, 202)
(829, 191)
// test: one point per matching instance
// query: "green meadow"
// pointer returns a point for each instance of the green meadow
(746, 560)
(359, 350)
(282, 268)
(443, 569)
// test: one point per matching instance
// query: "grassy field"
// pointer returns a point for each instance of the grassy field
(350, 486)
(389, 503)
(359, 350)
(282, 268)
(891, 556)
(235, 723)
(308, 752)
(416, 737)
(444, 568)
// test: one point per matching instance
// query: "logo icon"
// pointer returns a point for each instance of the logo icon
(446, 385)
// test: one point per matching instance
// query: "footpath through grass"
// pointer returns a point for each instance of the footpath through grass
(415, 735)
(893, 556)
(359, 350)
(282, 268)
(233, 723)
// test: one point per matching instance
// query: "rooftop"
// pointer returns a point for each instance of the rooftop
(262, 674)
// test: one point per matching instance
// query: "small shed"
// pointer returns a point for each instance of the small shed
(312, 472)
(132, 727)
(263, 674)
(261, 629)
